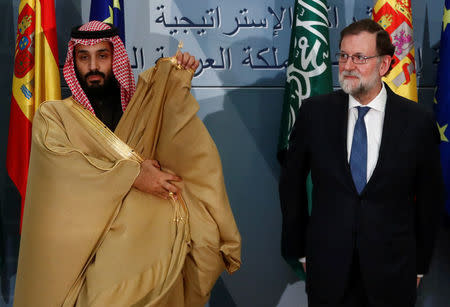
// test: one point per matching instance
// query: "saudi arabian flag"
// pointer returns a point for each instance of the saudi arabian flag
(308, 73)
(309, 68)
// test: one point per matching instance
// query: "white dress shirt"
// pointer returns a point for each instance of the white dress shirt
(374, 120)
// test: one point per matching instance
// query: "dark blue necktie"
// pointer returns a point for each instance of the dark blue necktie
(358, 155)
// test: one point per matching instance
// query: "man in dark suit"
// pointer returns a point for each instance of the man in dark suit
(377, 183)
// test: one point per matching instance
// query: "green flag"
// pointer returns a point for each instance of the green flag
(308, 73)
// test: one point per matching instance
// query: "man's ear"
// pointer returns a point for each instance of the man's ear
(385, 64)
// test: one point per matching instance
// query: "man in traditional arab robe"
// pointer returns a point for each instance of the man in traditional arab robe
(126, 204)
(94, 59)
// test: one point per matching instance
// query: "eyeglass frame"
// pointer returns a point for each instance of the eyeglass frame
(353, 57)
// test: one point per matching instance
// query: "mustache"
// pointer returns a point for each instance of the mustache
(95, 73)
(350, 73)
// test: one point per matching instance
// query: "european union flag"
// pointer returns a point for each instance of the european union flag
(442, 100)
(109, 11)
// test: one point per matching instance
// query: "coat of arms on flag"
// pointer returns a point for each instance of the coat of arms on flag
(396, 18)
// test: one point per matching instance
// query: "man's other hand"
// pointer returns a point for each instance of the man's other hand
(153, 180)
(187, 61)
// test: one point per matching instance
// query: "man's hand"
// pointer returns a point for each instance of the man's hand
(187, 61)
(154, 181)
(304, 266)
(418, 281)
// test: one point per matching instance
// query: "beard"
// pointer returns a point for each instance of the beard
(363, 86)
(95, 90)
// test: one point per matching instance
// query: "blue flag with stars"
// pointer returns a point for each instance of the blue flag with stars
(109, 11)
(442, 100)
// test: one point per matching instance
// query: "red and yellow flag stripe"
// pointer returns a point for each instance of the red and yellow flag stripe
(35, 80)
(396, 17)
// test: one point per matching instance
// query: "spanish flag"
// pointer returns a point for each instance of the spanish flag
(395, 16)
(36, 79)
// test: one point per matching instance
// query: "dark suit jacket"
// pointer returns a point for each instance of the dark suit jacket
(391, 225)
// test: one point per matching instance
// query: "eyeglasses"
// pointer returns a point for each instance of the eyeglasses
(356, 59)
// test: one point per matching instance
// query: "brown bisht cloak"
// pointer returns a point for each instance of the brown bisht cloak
(90, 239)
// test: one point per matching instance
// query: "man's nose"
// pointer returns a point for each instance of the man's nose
(349, 65)
(93, 64)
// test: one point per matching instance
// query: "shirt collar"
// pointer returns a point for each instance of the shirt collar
(378, 103)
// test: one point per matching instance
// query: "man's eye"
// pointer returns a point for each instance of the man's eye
(344, 56)
(361, 57)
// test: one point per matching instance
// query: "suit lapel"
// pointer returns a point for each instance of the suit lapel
(342, 118)
(391, 134)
